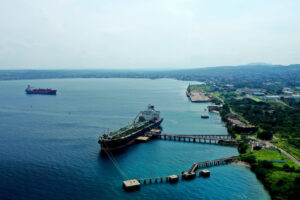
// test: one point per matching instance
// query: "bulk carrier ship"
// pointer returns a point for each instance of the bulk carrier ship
(125, 136)
(30, 90)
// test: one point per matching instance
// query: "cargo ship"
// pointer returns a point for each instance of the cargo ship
(142, 123)
(31, 90)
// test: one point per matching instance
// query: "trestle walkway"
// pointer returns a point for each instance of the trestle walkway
(193, 169)
(207, 139)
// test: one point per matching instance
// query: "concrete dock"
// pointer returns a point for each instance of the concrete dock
(196, 96)
(205, 173)
(188, 175)
(173, 178)
(157, 131)
(131, 185)
(142, 139)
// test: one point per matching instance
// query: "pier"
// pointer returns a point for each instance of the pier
(192, 173)
(206, 139)
(197, 96)
(134, 184)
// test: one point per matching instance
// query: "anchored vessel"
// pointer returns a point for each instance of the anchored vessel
(125, 136)
(204, 116)
(30, 90)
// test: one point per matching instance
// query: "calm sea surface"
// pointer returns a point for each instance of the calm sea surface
(49, 149)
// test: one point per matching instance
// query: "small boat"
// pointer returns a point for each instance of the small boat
(204, 116)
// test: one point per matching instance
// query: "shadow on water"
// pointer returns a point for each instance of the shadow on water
(122, 151)
(119, 152)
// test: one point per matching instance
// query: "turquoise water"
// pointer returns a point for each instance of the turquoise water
(49, 149)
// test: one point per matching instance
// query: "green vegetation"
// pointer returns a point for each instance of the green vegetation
(216, 100)
(271, 118)
(290, 145)
(280, 118)
(281, 179)
(283, 184)
(268, 154)
(242, 147)
(256, 99)
(238, 136)
(199, 88)
(279, 174)
(265, 135)
(269, 77)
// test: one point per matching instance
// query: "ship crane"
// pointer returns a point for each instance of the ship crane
(136, 117)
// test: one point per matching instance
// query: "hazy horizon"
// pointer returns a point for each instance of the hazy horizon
(157, 34)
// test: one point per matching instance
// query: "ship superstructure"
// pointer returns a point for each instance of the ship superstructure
(125, 136)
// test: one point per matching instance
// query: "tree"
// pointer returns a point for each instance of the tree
(280, 182)
(248, 158)
(265, 135)
(242, 147)
(297, 180)
(266, 164)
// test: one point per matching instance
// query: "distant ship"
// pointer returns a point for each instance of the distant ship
(204, 116)
(30, 90)
(125, 136)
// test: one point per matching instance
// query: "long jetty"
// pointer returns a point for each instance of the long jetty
(207, 139)
(190, 174)
(135, 184)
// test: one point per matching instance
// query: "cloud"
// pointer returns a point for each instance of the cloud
(147, 34)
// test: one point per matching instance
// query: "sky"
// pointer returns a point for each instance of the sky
(147, 34)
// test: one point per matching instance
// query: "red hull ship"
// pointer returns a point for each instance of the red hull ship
(30, 90)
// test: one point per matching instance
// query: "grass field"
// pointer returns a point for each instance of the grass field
(256, 99)
(238, 136)
(200, 88)
(270, 154)
(267, 154)
(280, 180)
(291, 149)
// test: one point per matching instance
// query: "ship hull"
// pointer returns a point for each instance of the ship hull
(49, 92)
(115, 145)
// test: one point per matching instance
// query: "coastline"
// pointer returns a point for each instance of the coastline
(278, 180)
(242, 163)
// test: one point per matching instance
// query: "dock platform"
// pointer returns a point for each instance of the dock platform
(131, 185)
(205, 173)
(196, 96)
(191, 174)
(142, 139)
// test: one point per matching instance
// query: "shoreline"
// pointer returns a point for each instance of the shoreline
(274, 194)
(241, 163)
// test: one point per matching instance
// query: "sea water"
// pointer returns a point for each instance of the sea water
(49, 149)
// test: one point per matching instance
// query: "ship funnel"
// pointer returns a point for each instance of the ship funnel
(150, 107)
